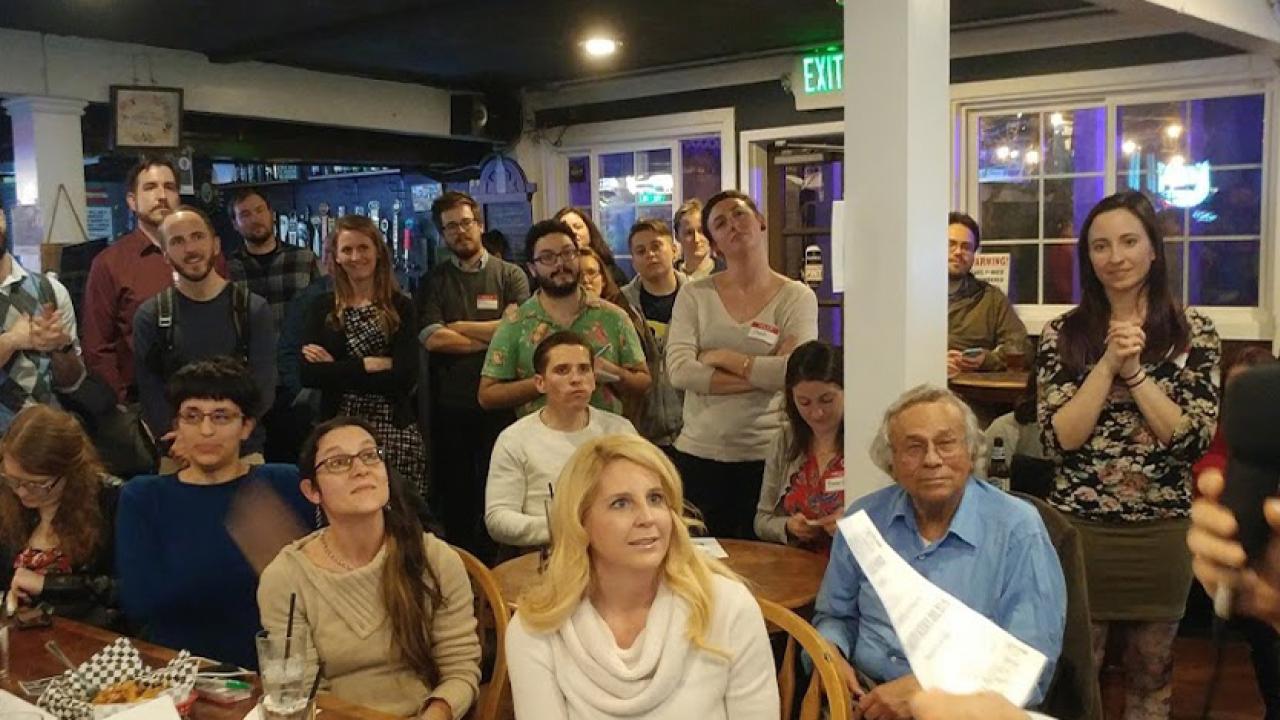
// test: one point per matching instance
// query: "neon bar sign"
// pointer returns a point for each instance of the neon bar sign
(823, 72)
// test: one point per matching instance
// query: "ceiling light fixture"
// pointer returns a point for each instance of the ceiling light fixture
(600, 46)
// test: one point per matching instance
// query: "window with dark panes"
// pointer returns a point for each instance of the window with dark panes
(1199, 160)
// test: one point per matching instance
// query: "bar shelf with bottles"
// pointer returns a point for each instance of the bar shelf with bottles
(308, 202)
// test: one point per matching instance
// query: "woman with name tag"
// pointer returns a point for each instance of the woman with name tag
(57, 517)
(629, 619)
(360, 346)
(386, 607)
(1127, 402)
(803, 492)
(727, 348)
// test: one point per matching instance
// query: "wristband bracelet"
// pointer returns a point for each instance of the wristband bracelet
(1131, 377)
(1136, 384)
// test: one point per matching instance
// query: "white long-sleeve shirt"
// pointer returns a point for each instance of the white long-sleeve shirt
(527, 457)
(740, 426)
(578, 672)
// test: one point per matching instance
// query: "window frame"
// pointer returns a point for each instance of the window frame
(1220, 77)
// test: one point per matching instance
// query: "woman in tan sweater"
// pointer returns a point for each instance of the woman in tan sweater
(387, 608)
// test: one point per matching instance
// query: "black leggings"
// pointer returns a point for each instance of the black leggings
(725, 493)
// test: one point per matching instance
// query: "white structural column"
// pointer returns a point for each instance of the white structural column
(48, 152)
(896, 179)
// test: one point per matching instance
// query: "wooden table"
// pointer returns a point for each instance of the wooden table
(28, 660)
(990, 394)
(786, 575)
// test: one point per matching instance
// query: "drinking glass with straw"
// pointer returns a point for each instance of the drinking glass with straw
(282, 663)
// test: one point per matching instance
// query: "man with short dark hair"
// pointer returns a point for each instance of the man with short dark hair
(202, 316)
(276, 272)
(461, 301)
(128, 273)
(653, 294)
(529, 455)
(561, 304)
(980, 319)
(39, 351)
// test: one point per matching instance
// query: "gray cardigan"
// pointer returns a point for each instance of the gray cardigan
(771, 519)
(663, 414)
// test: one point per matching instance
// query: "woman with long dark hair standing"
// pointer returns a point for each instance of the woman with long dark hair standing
(360, 346)
(387, 608)
(57, 516)
(1128, 401)
(588, 236)
(802, 496)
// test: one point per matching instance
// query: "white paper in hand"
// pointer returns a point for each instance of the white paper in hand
(950, 646)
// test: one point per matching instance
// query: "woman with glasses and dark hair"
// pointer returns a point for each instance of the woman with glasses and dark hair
(360, 346)
(803, 492)
(189, 545)
(57, 505)
(1128, 402)
(387, 607)
(587, 236)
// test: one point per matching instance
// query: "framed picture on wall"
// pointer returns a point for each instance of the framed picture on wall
(145, 117)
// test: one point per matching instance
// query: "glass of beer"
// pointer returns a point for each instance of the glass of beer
(286, 675)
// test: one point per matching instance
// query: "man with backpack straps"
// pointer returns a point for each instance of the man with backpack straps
(39, 353)
(201, 316)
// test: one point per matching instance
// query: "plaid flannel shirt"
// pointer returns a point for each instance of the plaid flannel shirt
(289, 270)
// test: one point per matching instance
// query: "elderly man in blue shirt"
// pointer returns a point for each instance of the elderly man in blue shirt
(986, 548)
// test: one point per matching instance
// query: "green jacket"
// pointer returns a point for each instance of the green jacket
(980, 316)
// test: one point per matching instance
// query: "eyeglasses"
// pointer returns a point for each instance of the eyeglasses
(462, 225)
(217, 417)
(590, 274)
(342, 463)
(35, 487)
(550, 259)
(946, 448)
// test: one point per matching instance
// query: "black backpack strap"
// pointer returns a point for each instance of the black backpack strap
(161, 355)
(47, 295)
(240, 319)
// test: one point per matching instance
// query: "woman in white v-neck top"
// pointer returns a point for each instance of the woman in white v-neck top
(629, 619)
(727, 348)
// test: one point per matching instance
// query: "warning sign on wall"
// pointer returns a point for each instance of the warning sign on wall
(993, 268)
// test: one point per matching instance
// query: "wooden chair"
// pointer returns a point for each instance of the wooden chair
(825, 680)
(492, 616)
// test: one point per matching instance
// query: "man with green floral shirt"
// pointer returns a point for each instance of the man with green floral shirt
(560, 304)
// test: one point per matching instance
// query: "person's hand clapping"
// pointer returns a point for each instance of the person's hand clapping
(1125, 341)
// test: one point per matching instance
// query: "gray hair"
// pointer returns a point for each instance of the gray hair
(882, 450)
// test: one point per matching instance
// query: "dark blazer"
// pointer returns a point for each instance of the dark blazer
(87, 593)
(347, 374)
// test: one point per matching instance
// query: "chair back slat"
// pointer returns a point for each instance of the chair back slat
(493, 614)
(825, 682)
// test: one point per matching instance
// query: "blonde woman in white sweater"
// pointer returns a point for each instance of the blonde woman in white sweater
(630, 620)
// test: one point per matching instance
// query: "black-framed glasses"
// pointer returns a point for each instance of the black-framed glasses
(550, 259)
(191, 416)
(338, 464)
(35, 487)
(458, 226)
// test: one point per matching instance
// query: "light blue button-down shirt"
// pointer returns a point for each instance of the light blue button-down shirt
(996, 558)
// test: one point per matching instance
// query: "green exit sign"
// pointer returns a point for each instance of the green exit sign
(823, 72)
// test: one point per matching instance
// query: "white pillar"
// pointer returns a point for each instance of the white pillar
(896, 163)
(47, 152)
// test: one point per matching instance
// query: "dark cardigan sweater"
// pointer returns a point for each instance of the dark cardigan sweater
(347, 374)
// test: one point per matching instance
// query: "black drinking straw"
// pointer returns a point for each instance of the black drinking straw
(288, 632)
(315, 685)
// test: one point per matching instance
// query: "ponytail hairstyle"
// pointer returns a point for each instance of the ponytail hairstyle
(410, 588)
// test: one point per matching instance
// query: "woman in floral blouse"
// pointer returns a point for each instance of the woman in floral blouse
(1128, 401)
(802, 496)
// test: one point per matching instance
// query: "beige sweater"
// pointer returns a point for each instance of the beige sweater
(343, 614)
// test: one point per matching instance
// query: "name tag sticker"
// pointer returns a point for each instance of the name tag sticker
(486, 302)
(764, 332)
(835, 483)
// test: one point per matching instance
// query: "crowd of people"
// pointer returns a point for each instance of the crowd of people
(271, 465)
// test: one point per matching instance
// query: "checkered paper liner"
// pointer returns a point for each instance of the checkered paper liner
(68, 695)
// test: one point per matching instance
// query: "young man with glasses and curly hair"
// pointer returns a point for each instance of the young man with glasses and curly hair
(186, 575)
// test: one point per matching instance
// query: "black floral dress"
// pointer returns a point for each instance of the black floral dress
(403, 447)
(1122, 473)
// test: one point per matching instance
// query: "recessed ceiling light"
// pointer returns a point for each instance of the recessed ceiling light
(600, 46)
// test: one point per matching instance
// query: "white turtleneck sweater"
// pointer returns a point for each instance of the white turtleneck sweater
(578, 672)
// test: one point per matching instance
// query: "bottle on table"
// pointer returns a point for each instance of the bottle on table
(998, 466)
